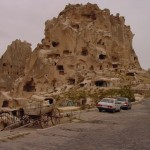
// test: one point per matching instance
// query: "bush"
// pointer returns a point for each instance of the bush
(127, 92)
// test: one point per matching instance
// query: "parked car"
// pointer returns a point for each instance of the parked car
(125, 103)
(109, 104)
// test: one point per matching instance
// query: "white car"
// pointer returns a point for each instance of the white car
(109, 104)
(125, 103)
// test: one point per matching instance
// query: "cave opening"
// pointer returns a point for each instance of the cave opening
(84, 52)
(5, 103)
(101, 83)
(102, 56)
(29, 86)
(66, 52)
(71, 81)
(115, 65)
(4, 64)
(61, 69)
(130, 74)
(55, 44)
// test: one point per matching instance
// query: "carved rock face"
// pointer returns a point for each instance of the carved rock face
(12, 63)
(83, 42)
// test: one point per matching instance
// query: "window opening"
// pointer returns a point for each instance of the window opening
(55, 44)
(101, 83)
(60, 68)
(66, 52)
(84, 52)
(115, 65)
(4, 64)
(71, 81)
(29, 86)
(102, 56)
(5, 103)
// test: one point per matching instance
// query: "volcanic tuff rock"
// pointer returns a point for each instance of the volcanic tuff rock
(12, 63)
(84, 46)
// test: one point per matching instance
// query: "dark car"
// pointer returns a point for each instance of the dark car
(125, 102)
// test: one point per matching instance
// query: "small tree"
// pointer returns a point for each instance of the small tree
(127, 92)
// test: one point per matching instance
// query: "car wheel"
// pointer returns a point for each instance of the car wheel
(100, 110)
(113, 111)
(127, 108)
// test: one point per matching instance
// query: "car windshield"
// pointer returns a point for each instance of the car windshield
(107, 100)
(121, 99)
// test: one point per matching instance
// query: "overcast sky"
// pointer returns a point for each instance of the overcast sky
(24, 19)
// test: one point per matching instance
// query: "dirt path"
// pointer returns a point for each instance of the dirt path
(127, 130)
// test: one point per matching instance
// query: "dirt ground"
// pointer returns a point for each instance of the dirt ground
(125, 130)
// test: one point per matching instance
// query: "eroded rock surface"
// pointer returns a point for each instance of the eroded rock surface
(12, 63)
(84, 47)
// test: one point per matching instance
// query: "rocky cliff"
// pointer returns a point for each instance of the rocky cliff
(12, 63)
(85, 47)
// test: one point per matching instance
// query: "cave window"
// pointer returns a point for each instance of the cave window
(60, 68)
(50, 100)
(4, 64)
(130, 74)
(66, 52)
(92, 68)
(11, 66)
(82, 85)
(55, 44)
(101, 83)
(5, 103)
(76, 26)
(100, 67)
(102, 56)
(103, 43)
(93, 15)
(135, 58)
(71, 81)
(84, 52)
(14, 112)
(115, 65)
(99, 42)
(29, 86)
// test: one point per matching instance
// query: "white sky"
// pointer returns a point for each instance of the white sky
(24, 19)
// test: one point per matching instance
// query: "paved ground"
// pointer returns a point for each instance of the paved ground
(127, 130)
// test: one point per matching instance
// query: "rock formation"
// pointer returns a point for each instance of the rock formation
(85, 47)
(12, 63)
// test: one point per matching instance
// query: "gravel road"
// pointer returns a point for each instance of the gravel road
(125, 130)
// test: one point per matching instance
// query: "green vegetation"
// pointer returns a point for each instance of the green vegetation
(97, 94)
